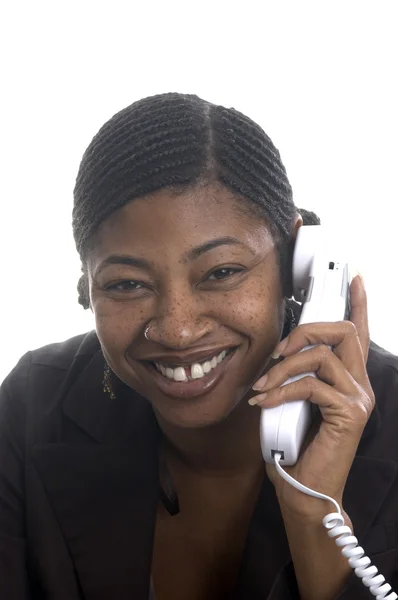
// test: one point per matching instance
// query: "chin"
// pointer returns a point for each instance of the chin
(195, 415)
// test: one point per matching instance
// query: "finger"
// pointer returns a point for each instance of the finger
(359, 313)
(319, 360)
(342, 336)
(343, 413)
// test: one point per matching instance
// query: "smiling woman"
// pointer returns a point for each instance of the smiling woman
(131, 459)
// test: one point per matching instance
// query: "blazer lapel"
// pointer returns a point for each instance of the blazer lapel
(104, 489)
(266, 549)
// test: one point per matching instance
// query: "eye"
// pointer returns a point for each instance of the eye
(224, 273)
(124, 286)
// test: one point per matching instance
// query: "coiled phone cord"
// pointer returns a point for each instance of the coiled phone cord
(334, 523)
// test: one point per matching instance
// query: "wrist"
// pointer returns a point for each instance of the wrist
(310, 525)
(309, 512)
(308, 508)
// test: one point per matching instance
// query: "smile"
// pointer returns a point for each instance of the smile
(192, 380)
(195, 370)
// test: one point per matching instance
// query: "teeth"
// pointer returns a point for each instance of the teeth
(197, 370)
(221, 356)
(179, 374)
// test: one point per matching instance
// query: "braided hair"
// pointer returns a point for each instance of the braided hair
(179, 141)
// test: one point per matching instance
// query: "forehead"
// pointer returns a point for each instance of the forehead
(173, 221)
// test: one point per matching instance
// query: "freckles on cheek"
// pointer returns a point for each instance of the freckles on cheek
(256, 309)
(114, 328)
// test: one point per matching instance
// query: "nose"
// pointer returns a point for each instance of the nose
(180, 320)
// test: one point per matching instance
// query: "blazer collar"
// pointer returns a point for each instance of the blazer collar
(104, 493)
(106, 421)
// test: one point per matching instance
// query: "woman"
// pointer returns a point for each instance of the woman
(130, 456)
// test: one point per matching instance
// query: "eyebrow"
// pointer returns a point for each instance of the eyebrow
(196, 252)
(193, 254)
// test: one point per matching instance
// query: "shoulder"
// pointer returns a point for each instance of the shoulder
(382, 367)
(48, 364)
(379, 357)
(381, 432)
(60, 355)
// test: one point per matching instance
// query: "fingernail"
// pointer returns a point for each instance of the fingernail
(280, 348)
(257, 399)
(260, 383)
(354, 272)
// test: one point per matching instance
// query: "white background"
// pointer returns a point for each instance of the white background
(319, 77)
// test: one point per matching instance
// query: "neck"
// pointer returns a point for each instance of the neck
(229, 448)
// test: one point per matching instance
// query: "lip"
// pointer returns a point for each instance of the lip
(184, 361)
(189, 389)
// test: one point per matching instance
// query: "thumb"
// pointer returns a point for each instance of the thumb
(359, 312)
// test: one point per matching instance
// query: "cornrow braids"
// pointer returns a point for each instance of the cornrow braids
(178, 141)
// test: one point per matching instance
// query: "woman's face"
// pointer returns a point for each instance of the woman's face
(205, 277)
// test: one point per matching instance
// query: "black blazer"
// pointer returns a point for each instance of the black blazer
(79, 486)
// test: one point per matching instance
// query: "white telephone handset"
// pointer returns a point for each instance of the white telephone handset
(321, 281)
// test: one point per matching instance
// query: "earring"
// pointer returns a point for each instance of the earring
(107, 382)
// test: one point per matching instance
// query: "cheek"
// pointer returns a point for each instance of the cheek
(258, 315)
(116, 325)
(256, 309)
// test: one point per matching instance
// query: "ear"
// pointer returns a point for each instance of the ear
(288, 280)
